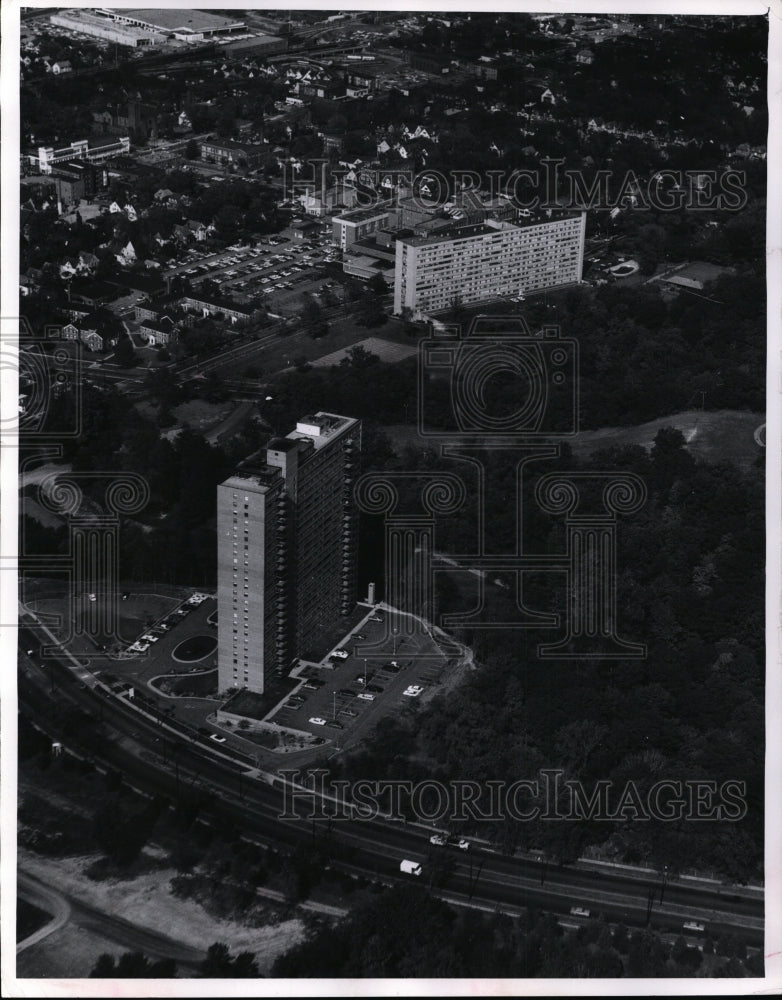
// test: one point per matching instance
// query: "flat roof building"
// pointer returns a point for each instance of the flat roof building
(487, 260)
(84, 22)
(184, 24)
(358, 224)
(287, 550)
(94, 150)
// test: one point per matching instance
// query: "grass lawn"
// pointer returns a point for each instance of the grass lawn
(194, 648)
(29, 919)
(187, 685)
(344, 332)
(723, 436)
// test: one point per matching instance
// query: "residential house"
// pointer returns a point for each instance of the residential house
(192, 230)
(87, 261)
(85, 330)
(126, 255)
(159, 333)
(63, 66)
(585, 56)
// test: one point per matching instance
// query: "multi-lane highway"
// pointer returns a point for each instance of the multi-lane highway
(158, 760)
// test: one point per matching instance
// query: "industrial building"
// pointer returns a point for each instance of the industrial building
(491, 259)
(287, 550)
(84, 22)
(183, 24)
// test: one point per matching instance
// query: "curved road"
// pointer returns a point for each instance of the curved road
(45, 899)
(155, 760)
(124, 932)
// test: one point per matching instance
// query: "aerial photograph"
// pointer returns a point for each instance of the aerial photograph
(391, 448)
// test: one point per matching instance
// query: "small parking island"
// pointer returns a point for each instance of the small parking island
(195, 648)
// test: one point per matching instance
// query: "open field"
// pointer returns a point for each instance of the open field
(720, 436)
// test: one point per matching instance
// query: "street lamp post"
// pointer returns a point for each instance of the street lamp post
(395, 631)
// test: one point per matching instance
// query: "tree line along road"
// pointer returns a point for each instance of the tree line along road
(374, 847)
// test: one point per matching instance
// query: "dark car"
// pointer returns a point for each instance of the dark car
(334, 724)
(350, 712)
(347, 692)
(314, 683)
(374, 687)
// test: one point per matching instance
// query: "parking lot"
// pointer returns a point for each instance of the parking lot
(350, 695)
(278, 268)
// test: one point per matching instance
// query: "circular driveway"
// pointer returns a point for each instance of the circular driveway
(196, 647)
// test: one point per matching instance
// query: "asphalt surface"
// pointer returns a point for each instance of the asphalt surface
(159, 762)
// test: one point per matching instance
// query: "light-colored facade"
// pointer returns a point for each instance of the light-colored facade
(287, 550)
(94, 150)
(487, 261)
(84, 22)
(358, 224)
(185, 24)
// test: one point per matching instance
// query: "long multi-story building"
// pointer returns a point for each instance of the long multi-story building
(287, 554)
(96, 149)
(358, 224)
(487, 260)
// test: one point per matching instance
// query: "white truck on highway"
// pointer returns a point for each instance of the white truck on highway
(410, 868)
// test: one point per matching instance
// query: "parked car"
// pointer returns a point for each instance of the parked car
(341, 654)
(579, 911)
(217, 738)
(365, 696)
(316, 721)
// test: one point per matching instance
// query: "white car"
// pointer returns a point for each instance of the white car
(413, 691)
(317, 721)
(140, 647)
(217, 738)
(93, 597)
(149, 638)
(438, 840)
(375, 618)
(365, 696)
(579, 911)
(341, 654)
(462, 844)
